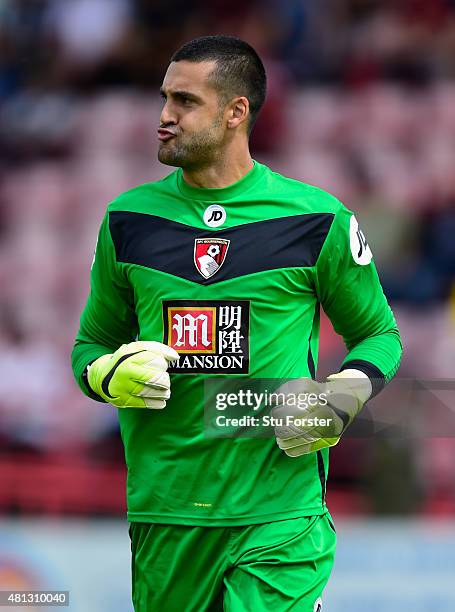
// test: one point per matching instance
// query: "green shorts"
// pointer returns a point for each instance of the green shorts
(277, 566)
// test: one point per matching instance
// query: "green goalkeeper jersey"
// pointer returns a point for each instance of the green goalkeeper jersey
(233, 279)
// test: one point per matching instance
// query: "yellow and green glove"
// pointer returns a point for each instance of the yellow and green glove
(337, 401)
(134, 376)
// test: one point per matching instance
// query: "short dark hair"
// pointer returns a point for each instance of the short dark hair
(239, 70)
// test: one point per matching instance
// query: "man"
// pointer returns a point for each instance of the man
(225, 263)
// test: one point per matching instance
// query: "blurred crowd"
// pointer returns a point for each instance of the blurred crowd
(85, 45)
(361, 103)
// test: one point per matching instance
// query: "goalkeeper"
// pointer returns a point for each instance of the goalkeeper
(219, 271)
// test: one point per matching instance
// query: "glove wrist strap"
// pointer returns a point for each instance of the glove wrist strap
(90, 392)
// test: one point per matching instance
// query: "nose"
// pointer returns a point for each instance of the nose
(167, 116)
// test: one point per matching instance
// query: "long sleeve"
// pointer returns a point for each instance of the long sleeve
(108, 319)
(348, 287)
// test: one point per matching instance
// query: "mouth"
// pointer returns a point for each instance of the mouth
(165, 135)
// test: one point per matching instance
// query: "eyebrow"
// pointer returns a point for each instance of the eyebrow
(180, 93)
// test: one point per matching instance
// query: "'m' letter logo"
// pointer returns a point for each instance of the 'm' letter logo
(193, 329)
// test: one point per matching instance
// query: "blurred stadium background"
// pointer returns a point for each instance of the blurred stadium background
(361, 102)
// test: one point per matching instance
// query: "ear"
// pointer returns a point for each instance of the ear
(238, 112)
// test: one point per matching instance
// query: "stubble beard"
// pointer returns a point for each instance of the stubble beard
(195, 151)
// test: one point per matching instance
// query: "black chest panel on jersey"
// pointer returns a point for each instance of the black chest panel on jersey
(168, 246)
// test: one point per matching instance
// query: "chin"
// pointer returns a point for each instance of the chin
(169, 157)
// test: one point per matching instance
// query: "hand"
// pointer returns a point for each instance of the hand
(134, 376)
(325, 414)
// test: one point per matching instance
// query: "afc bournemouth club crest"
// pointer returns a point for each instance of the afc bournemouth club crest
(209, 255)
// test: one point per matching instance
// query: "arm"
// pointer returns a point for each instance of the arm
(348, 287)
(107, 365)
(350, 292)
(108, 319)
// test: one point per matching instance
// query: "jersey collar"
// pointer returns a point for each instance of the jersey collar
(220, 194)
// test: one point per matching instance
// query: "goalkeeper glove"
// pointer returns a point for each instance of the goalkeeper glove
(338, 401)
(134, 376)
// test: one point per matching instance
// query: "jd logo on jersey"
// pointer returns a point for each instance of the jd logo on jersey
(210, 336)
(317, 605)
(209, 255)
(361, 252)
(214, 215)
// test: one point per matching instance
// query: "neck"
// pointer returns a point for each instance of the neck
(222, 172)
